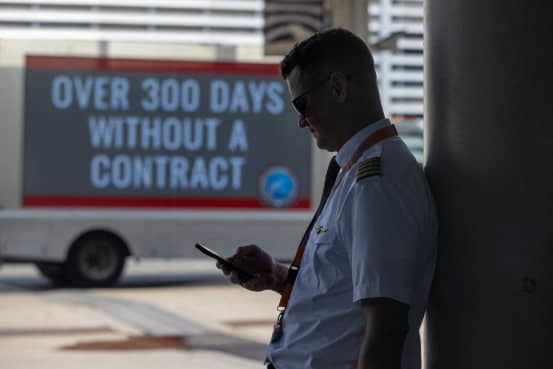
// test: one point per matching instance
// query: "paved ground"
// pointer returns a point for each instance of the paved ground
(163, 314)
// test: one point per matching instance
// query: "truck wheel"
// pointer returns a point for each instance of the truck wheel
(95, 260)
(53, 271)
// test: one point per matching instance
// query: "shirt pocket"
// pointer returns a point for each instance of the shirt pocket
(329, 261)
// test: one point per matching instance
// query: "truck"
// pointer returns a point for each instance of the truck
(142, 152)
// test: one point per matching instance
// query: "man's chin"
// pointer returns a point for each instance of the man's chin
(324, 145)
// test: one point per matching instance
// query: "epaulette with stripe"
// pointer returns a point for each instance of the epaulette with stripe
(368, 168)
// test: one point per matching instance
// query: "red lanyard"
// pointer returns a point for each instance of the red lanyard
(370, 141)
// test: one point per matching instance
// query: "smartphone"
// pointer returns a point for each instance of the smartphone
(243, 275)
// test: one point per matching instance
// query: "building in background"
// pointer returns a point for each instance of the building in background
(228, 22)
(288, 22)
(234, 26)
(400, 68)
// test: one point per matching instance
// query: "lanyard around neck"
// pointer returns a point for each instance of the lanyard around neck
(370, 141)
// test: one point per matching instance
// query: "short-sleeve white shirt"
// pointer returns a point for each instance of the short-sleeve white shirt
(376, 237)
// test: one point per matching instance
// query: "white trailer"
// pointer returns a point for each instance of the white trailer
(79, 194)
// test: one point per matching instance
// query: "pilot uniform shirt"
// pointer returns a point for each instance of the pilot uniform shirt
(375, 237)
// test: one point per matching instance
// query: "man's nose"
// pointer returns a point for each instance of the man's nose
(302, 122)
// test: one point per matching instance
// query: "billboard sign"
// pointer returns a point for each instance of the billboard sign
(151, 133)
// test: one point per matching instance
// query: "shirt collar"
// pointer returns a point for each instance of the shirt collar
(348, 149)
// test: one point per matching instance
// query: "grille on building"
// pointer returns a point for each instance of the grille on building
(400, 71)
(234, 22)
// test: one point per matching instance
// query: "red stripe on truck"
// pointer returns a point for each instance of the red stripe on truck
(151, 202)
(146, 65)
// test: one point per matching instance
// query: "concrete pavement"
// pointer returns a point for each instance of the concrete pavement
(170, 315)
(142, 323)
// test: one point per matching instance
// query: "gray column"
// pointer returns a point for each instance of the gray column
(489, 115)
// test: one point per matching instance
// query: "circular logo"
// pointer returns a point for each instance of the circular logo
(278, 187)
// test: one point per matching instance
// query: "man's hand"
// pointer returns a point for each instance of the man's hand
(269, 275)
(385, 332)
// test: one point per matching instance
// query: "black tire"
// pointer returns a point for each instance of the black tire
(96, 260)
(53, 271)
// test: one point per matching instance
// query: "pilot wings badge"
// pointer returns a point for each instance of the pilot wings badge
(320, 229)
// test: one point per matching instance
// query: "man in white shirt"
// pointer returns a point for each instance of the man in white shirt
(356, 292)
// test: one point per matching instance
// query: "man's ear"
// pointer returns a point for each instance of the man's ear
(339, 85)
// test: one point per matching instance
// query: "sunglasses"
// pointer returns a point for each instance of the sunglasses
(300, 102)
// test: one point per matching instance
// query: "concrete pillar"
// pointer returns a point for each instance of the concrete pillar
(489, 115)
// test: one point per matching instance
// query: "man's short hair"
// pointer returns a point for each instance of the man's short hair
(334, 48)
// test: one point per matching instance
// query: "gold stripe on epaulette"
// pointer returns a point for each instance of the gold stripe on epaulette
(374, 171)
(368, 168)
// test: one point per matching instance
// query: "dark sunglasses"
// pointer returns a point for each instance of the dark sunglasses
(300, 102)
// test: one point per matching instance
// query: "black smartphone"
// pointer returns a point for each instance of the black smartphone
(243, 275)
